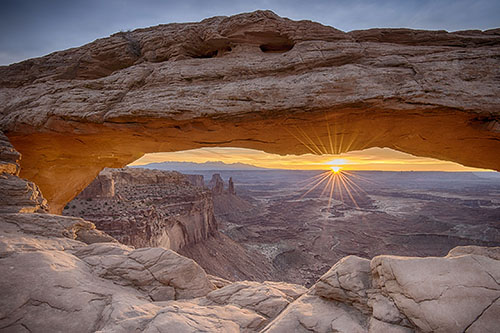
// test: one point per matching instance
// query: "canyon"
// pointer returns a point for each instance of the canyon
(303, 232)
(146, 208)
(273, 230)
(254, 80)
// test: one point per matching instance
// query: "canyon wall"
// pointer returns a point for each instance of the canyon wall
(253, 80)
(142, 207)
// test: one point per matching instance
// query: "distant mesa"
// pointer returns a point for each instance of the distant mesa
(216, 184)
(192, 166)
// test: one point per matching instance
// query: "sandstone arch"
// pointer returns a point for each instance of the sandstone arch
(256, 81)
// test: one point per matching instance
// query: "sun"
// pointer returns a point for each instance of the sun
(337, 164)
(336, 168)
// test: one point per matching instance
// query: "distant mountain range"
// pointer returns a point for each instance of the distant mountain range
(191, 166)
(221, 166)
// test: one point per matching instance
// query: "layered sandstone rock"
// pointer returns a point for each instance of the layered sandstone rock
(253, 80)
(52, 282)
(196, 180)
(162, 274)
(16, 195)
(142, 207)
(71, 286)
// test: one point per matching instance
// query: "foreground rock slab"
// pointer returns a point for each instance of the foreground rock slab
(456, 293)
(50, 281)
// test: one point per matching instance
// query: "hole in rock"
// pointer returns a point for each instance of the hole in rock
(244, 214)
(276, 47)
(209, 54)
(212, 53)
(272, 42)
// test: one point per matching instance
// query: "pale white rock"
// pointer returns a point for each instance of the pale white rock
(46, 287)
(377, 326)
(161, 273)
(263, 298)
(439, 294)
(291, 290)
(491, 252)
(311, 313)
(384, 309)
(347, 281)
(190, 317)
(49, 225)
(487, 321)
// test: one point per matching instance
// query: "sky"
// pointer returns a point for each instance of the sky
(384, 159)
(32, 28)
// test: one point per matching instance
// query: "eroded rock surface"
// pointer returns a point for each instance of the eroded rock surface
(427, 290)
(17, 195)
(253, 80)
(51, 282)
(142, 207)
(161, 273)
(347, 281)
(267, 299)
(250, 80)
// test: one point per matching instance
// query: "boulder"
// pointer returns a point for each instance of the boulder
(348, 281)
(439, 294)
(263, 298)
(160, 273)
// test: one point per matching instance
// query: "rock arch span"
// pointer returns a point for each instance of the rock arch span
(253, 80)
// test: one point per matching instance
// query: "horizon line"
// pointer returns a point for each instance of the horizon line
(270, 169)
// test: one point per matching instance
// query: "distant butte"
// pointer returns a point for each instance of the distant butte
(254, 80)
